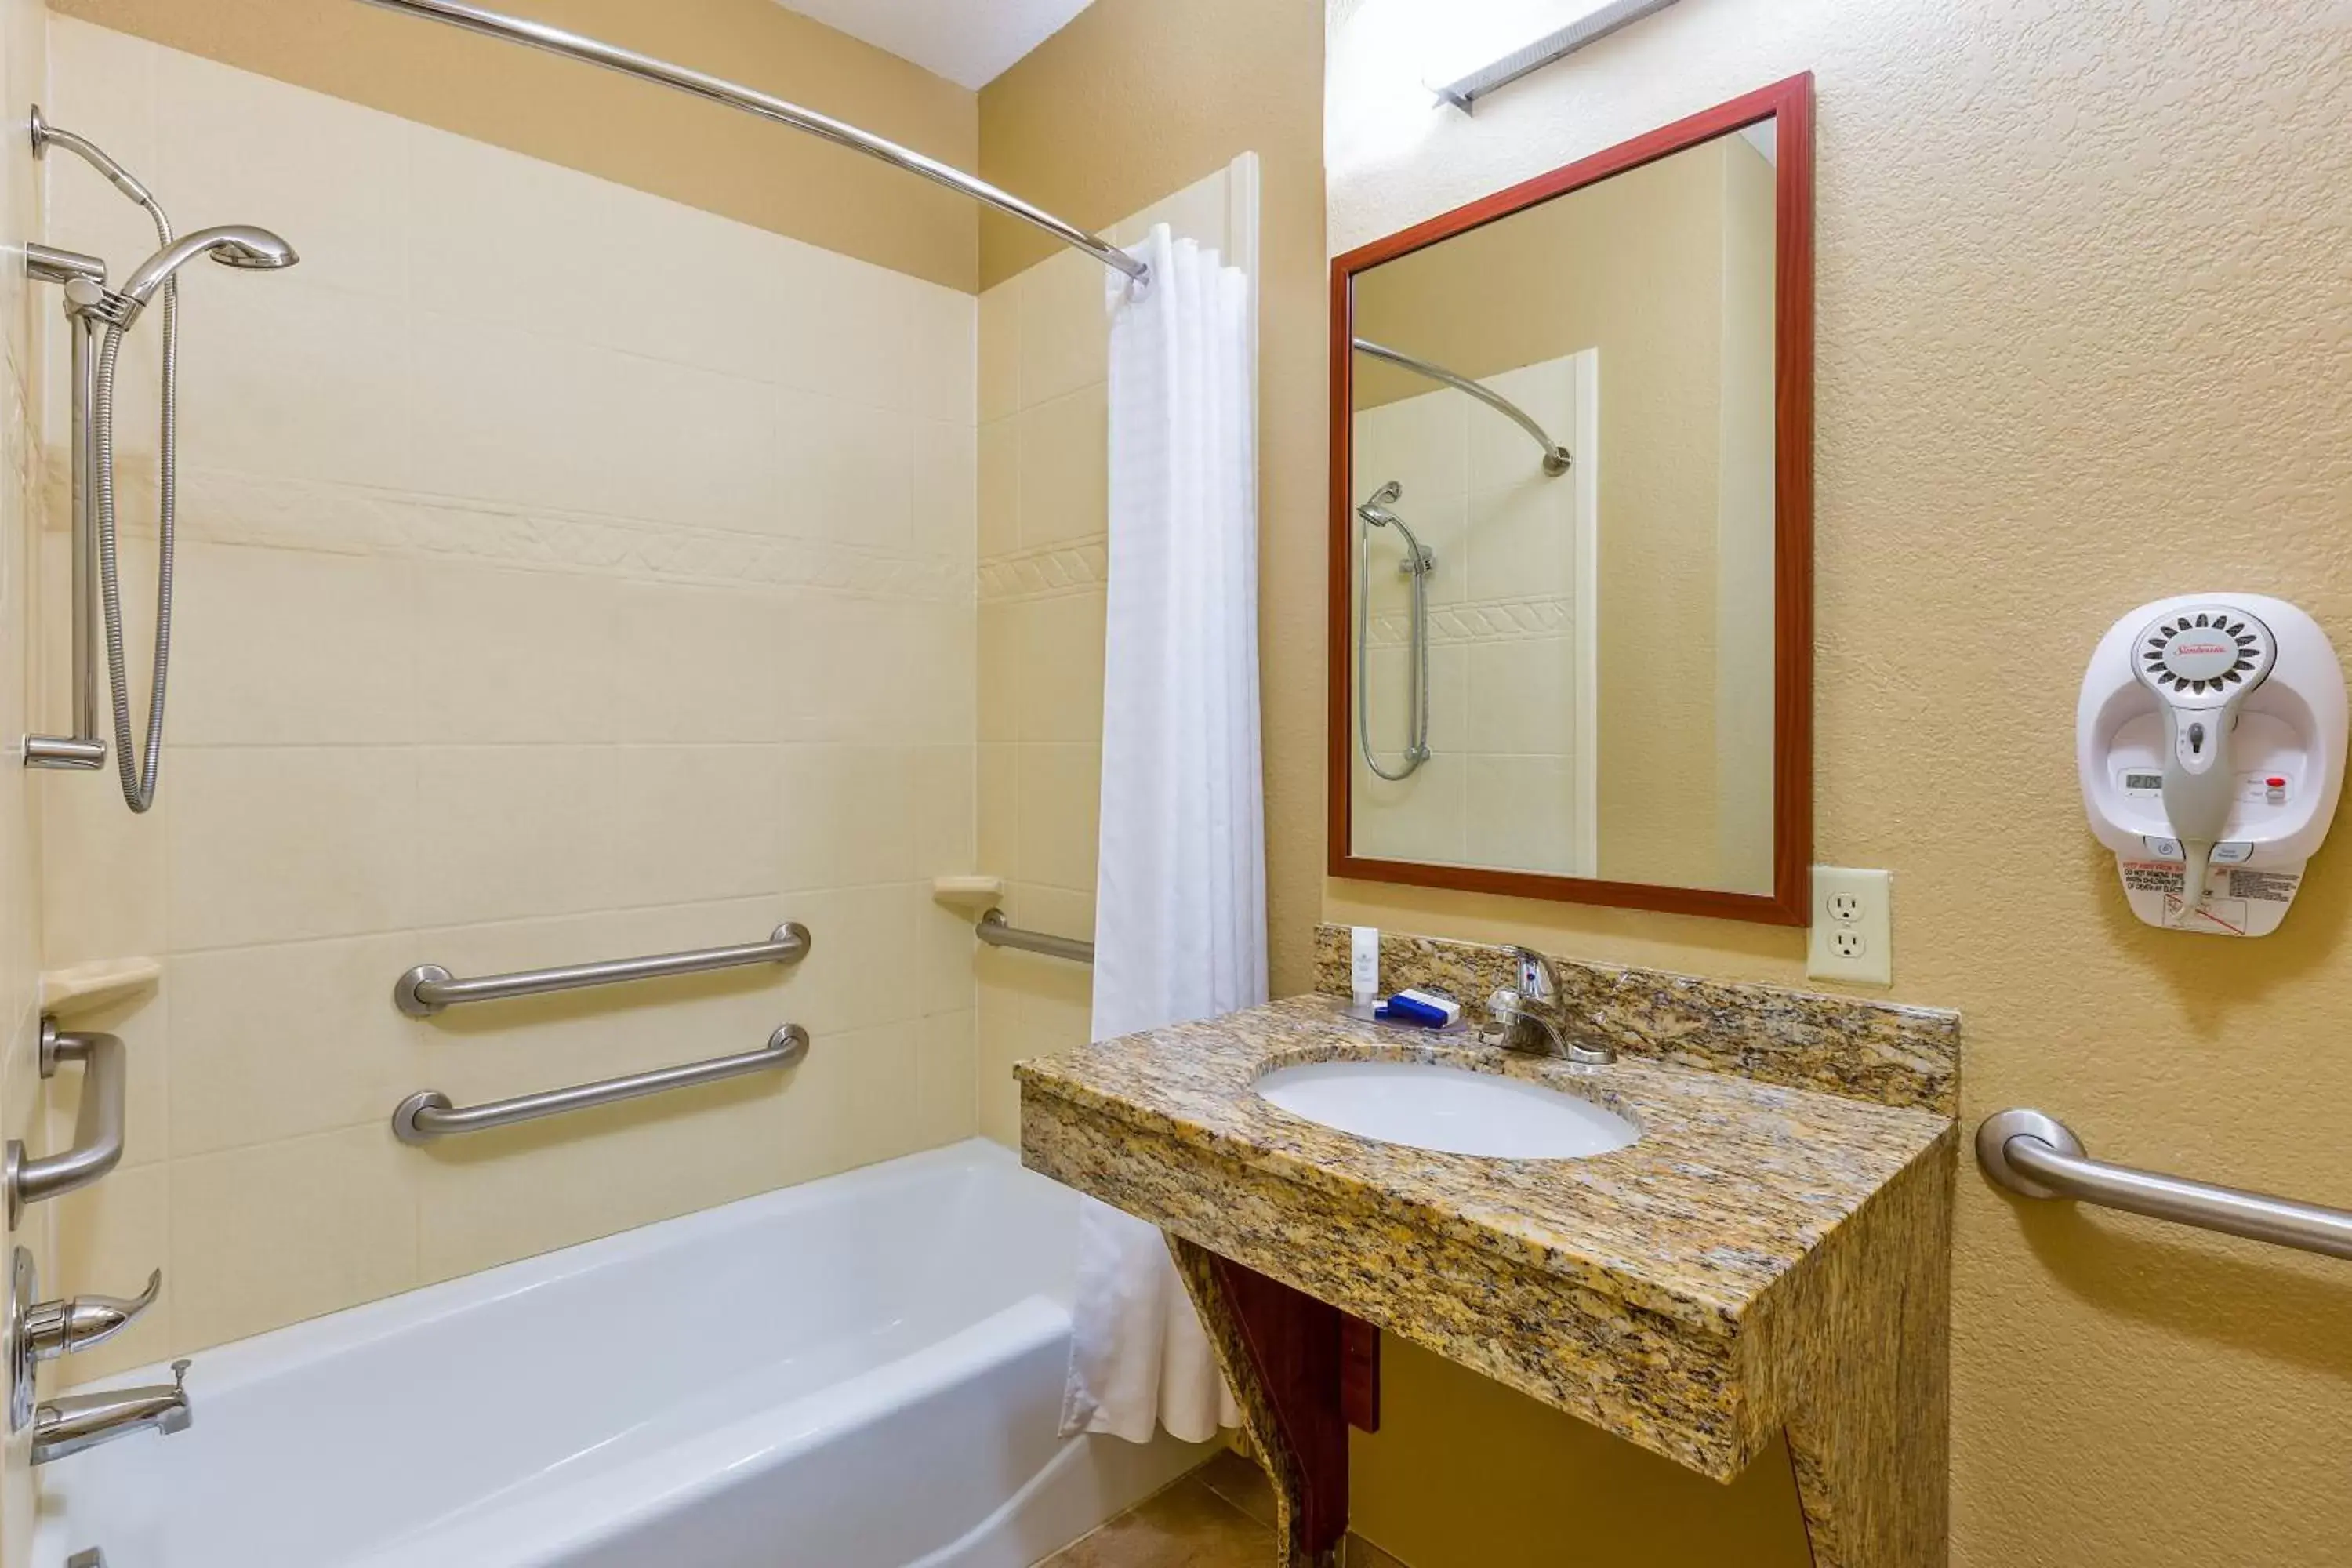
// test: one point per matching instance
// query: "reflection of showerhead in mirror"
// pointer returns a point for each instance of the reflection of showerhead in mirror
(1377, 514)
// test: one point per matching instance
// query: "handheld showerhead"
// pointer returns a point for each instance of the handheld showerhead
(1418, 561)
(232, 244)
(92, 307)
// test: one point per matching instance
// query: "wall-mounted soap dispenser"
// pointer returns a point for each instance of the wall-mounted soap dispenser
(2210, 740)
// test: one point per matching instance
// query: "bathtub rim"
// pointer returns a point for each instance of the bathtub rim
(236, 1364)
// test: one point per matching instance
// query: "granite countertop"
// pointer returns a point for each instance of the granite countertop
(1730, 1185)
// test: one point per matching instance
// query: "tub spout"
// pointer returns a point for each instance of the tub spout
(73, 1421)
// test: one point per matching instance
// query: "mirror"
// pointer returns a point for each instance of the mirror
(1570, 535)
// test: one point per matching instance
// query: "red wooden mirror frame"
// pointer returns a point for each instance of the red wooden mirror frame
(1790, 103)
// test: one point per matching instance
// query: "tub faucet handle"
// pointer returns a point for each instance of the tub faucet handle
(72, 1323)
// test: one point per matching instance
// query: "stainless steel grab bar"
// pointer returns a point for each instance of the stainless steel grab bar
(427, 988)
(97, 1124)
(2039, 1157)
(997, 931)
(427, 1114)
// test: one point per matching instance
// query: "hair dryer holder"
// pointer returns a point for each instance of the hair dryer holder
(2285, 743)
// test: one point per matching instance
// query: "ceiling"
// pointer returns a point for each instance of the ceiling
(969, 42)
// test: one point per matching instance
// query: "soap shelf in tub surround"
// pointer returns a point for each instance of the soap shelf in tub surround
(1763, 1258)
(88, 987)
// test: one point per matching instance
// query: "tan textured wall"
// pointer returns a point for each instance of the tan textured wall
(2082, 296)
(514, 627)
(23, 30)
(1464, 1471)
(1130, 101)
(638, 134)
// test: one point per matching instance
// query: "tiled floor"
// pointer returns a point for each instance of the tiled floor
(1220, 1516)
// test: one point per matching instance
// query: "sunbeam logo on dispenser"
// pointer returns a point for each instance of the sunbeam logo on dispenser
(2210, 743)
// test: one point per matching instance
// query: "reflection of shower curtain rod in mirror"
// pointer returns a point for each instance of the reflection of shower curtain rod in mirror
(1555, 457)
(628, 62)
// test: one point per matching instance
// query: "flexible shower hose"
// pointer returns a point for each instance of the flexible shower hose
(138, 771)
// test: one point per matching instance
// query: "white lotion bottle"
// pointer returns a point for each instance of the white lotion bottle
(1364, 969)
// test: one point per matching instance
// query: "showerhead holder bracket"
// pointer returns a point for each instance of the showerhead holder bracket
(100, 304)
(55, 264)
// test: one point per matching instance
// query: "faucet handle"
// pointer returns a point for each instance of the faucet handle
(1538, 981)
(53, 1328)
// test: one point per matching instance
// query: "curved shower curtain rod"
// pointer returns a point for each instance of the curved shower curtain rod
(1555, 456)
(628, 62)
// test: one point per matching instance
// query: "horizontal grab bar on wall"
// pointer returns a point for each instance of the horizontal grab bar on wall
(97, 1124)
(427, 1115)
(2039, 1157)
(997, 931)
(427, 988)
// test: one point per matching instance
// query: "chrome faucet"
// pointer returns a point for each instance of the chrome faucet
(1534, 1018)
(44, 1331)
(58, 1328)
(73, 1422)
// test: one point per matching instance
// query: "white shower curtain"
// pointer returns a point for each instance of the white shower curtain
(1180, 914)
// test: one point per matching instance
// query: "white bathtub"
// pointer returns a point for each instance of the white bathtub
(860, 1373)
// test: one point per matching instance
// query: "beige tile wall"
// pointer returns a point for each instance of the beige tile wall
(22, 27)
(565, 573)
(1506, 782)
(1043, 565)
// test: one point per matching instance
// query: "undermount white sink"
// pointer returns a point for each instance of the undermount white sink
(1451, 1110)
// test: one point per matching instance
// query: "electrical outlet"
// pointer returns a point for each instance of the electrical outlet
(1851, 936)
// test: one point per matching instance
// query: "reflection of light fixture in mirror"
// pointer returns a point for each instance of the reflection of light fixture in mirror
(1589, 20)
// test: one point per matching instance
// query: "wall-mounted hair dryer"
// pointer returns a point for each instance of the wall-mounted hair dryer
(2210, 743)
